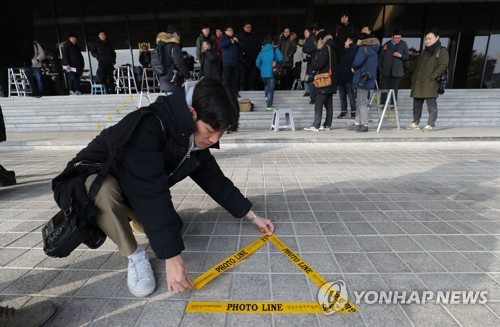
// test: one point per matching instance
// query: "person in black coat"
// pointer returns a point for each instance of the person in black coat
(7, 177)
(209, 65)
(73, 63)
(344, 79)
(324, 61)
(105, 54)
(309, 48)
(251, 48)
(170, 142)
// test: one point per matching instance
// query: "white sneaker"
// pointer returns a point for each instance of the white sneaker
(324, 128)
(413, 126)
(140, 280)
(72, 93)
(312, 129)
(78, 93)
(427, 128)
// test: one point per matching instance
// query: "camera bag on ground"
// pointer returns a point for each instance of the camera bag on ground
(76, 222)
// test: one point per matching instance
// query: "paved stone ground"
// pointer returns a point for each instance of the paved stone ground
(385, 217)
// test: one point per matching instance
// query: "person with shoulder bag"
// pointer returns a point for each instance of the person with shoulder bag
(430, 68)
(324, 66)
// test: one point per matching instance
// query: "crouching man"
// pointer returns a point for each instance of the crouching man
(168, 144)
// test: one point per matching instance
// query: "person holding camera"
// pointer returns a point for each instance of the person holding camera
(177, 71)
(231, 49)
(364, 68)
(431, 65)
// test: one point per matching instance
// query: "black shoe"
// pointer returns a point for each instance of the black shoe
(306, 94)
(7, 173)
(311, 101)
(6, 180)
(353, 115)
(353, 127)
(342, 115)
(362, 128)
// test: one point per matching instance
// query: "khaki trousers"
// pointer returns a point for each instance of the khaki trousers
(114, 214)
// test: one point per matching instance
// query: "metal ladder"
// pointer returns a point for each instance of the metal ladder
(125, 80)
(18, 82)
(150, 82)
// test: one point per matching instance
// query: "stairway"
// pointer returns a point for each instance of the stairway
(457, 108)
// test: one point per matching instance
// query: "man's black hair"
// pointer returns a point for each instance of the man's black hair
(171, 29)
(432, 30)
(268, 39)
(204, 25)
(321, 35)
(396, 32)
(344, 13)
(215, 105)
(208, 41)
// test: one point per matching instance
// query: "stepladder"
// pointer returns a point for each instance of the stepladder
(384, 109)
(288, 116)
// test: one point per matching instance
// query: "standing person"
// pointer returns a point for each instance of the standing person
(431, 63)
(364, 68)
(167, 145)
(105, 54)
(343, 30)
(210, 66)
(324, 62)
(7, 177)
(34, 73)
(345, 75)
(145, 57)
(251, 47)
(390, 64)
(72, 60)
(287, 45)
(231, 49)
(218, 34)
(177, 71)
(268, 57)
(204, 35)
(308, 49)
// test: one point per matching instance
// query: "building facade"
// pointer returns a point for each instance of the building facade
(470, 30)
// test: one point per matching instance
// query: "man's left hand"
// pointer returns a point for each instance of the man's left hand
(265, 225)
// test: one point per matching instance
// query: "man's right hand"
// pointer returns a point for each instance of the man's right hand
(178, 279)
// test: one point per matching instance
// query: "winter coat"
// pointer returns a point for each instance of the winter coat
(391, 66)
(250, 47)
(288, 46)
(431, 63)
(230, 51)
(103, 51)
(321, 64)
(342, 32)
(174, 60)
(199, 44)
(344, 72)
(145, 59)
(264, 61)
(152, 161)
(3, 134)
(39, 55)
(210, 66)
(309, 48)
(72, 56)
(366, 59)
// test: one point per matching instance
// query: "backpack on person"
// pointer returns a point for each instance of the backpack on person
(158, 61)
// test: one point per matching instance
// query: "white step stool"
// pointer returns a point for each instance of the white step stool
(275, 124)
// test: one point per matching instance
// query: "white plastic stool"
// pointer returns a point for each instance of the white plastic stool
(275, 124)
(94, 88)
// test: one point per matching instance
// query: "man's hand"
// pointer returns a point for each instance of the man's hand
(397, 54)
(178, 279)
(265, 225)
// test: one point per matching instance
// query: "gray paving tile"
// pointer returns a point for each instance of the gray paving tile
(119, 312)
(461, 243)
(80, 312)
(421, 262)
(384, 315)
(256, 263)
(354, 263)
(323, 263)
(295, 320)
(387, 262)
(257, 320)
(162, 313)
(350, 216)
(195, 319)
(219, 288)
(489, 242)
(372, 244)
(484, 260)
(402, 243)
(399, 215)
(343, 244)
(326, 217)
(431, 243)
(374, 215)
(281, 290)
(223, 243)
(387, 228)
(260, 292)
(403, 282)
(313, 244)
(470, 315)
(481, 282)
(441, 282)
(429, 315)
(10, 276)
(360, 228)
(334, 229)
(454, 262)
(102, 284)
(8, 254)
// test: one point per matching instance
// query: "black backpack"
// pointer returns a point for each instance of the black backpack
(158, 60)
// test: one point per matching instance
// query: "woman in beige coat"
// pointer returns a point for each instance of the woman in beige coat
(433, 61)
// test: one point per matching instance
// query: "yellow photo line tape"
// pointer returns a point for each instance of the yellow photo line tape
(254, 307)
(341, 303)
(230, 261)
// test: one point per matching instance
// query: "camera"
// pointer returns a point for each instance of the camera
(307, 58)
(67, 230)
(365, 75)
(442, 81)
(177, 78)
